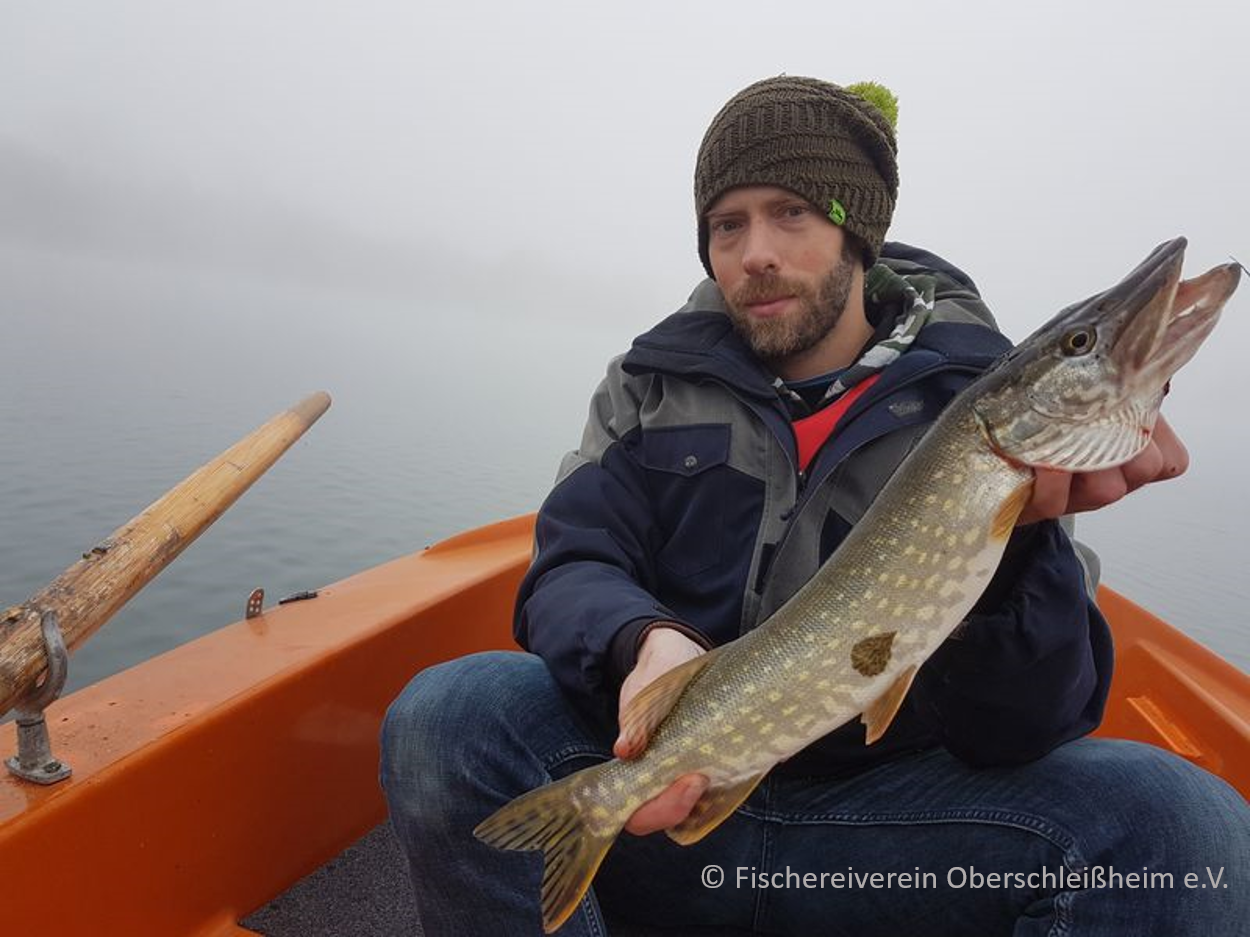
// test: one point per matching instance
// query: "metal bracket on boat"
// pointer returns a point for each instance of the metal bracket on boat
(34, 760)
(255, 603)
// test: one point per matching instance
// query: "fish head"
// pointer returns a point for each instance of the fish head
(1083, 392)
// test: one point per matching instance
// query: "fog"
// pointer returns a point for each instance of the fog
(211, 208)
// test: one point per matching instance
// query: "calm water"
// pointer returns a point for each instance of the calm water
(119, 380)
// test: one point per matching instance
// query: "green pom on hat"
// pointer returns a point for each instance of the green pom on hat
(880, 97)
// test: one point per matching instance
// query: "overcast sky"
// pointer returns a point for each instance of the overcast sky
(534, 161)
(517, 149)
(529, 165)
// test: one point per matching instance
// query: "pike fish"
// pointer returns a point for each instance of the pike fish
(1081, 394)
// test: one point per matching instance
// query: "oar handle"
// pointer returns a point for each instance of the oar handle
(91, 591)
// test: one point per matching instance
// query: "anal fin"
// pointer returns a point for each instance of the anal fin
(881, 711)
(713, 808)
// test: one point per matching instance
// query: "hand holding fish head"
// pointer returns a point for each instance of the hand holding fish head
(1084, 393)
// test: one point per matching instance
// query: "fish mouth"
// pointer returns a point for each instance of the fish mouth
(1083, 392)
(1165, 319)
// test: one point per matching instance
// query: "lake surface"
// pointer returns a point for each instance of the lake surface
(120, 379)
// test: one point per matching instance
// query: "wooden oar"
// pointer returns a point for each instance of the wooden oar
(91, 591)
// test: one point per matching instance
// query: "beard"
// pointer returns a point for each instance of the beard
(819, 309)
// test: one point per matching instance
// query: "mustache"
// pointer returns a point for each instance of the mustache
(765, 287)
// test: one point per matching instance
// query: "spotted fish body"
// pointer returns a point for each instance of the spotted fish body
(1081, 394)
(905, 577)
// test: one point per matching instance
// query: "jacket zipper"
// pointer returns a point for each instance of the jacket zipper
(802, 498)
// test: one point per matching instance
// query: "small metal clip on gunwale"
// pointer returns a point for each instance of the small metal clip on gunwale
(255, 603)
(298, 596)
(34, 761)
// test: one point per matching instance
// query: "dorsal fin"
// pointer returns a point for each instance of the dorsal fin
(647, 710)
(881, 711)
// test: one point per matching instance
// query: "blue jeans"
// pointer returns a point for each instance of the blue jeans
(924, 845)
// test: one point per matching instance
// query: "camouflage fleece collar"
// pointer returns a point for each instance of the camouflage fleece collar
(910, 299)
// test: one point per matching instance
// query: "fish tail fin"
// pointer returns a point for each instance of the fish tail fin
(551, 820)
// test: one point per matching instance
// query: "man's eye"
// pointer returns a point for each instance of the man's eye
(724, 227)
(794, 211)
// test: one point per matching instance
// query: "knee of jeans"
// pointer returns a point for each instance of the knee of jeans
(1159, 810)
(444, 708)
(425, 729)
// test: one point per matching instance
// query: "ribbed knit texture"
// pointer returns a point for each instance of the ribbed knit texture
(811, 137)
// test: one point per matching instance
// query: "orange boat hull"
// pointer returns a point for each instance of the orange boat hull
(209, 779)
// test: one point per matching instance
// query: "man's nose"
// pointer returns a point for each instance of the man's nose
(759, 253)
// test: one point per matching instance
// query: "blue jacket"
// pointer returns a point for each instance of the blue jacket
(683, 503)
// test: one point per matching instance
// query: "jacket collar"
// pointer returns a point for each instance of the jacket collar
(699, 342)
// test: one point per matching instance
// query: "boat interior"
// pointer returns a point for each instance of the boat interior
(230, 785)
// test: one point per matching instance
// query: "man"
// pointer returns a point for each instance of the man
(726, 456)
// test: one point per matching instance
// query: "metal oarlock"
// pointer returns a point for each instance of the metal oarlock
(34, 761)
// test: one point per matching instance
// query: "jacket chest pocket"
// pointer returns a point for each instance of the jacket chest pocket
(687, 474)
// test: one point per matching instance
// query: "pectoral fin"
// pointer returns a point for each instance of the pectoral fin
(713, 808)
(1005, 520)
(647, 710)
(881, 711)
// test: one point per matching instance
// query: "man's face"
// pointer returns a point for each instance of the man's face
(785, 270)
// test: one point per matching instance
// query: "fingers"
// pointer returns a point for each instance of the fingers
(1164, 457)
(1093, 490)
(1057, 493)
(1145, 467)
(1050, 496)
(661, 651)
(1175, 455)
(668, 808)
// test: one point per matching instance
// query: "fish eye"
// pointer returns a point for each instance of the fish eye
(1079, 341)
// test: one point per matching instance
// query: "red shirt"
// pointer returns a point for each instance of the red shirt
(812, 431)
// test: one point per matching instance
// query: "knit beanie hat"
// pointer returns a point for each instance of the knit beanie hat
(826, 143)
